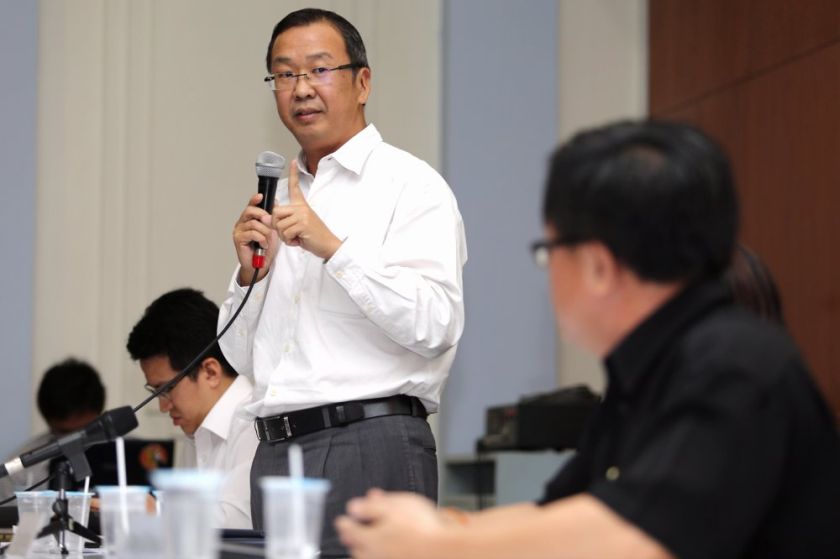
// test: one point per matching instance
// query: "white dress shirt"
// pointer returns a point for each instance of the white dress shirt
(226, 441)
(384, 315)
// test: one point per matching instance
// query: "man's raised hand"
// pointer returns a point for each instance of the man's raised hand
(297, 224)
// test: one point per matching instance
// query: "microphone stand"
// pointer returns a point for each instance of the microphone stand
(74, 464)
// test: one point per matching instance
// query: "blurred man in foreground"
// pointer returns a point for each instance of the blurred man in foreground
(712, 440)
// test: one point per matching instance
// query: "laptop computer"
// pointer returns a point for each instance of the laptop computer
(142, 456)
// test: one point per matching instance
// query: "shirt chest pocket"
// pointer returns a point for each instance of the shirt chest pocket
(334, 299)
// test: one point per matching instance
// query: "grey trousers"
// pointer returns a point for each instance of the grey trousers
(394, 453)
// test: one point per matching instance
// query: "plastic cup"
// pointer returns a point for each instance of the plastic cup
(78, 505)
(34, 511)
(189, 512)
(117, 526)
(293, 513)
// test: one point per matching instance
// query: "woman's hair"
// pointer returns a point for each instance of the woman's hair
(753, 286)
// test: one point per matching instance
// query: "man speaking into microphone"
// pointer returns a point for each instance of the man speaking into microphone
(356, 314)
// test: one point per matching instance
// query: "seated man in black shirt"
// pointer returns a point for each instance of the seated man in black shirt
(712, 440)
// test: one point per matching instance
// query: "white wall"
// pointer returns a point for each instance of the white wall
(151, 115)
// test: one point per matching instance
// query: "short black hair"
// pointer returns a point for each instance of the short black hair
(178, 324)
(658, 194)
(353, 42)
(68, 388)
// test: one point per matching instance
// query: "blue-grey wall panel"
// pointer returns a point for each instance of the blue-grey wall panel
(500, 125)
(18, 106)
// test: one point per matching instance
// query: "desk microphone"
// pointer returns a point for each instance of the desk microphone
(107, 427)
(269, 167)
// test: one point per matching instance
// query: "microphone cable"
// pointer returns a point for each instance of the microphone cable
(168, 385)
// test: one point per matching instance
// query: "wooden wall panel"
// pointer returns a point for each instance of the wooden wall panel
(790, 182)
(780, 30)
(781, 127)
(695, 47)
(699, 47)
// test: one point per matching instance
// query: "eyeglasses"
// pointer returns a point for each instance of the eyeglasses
(164, 394)
(284, 81)
(540, 250)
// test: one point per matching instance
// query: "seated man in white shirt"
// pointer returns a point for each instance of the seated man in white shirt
(173, 330)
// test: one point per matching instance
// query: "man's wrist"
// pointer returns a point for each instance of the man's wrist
(455, 516)
(447, 540)
(246, 274)
(332, 248)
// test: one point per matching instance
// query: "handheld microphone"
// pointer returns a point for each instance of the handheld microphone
(269, 167)
(107, 427)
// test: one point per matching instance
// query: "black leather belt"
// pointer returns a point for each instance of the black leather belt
(302, 422)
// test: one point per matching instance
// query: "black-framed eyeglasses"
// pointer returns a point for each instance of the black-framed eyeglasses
(164, 394)
(540, 250)
(284, 81)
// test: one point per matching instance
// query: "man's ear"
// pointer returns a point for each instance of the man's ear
(363, 83)
(212, 372)
(600, 269)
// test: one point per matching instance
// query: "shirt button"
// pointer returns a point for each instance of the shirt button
(339, 274)
(272, 392)
(613, 473)
(297, 299)
(287, 348)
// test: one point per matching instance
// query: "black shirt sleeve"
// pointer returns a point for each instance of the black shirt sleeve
(572, 479)
(702, 475)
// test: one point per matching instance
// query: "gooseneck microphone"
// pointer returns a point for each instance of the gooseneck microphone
(269, 168)
(105, 428)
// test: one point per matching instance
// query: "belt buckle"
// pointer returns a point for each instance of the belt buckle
(269, 437)
(287, 427)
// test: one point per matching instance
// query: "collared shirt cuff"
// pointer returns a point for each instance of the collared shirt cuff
(239, 291)
(344, 265)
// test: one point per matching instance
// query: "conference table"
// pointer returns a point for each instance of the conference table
(235, 544)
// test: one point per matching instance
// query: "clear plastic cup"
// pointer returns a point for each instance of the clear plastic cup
(34, 511)
(190, 527)
(119, 513)
(293, 513)
(78, 505)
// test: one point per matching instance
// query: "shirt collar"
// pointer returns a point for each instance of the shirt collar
(354, 153)
(219, 418)
(636, 355)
